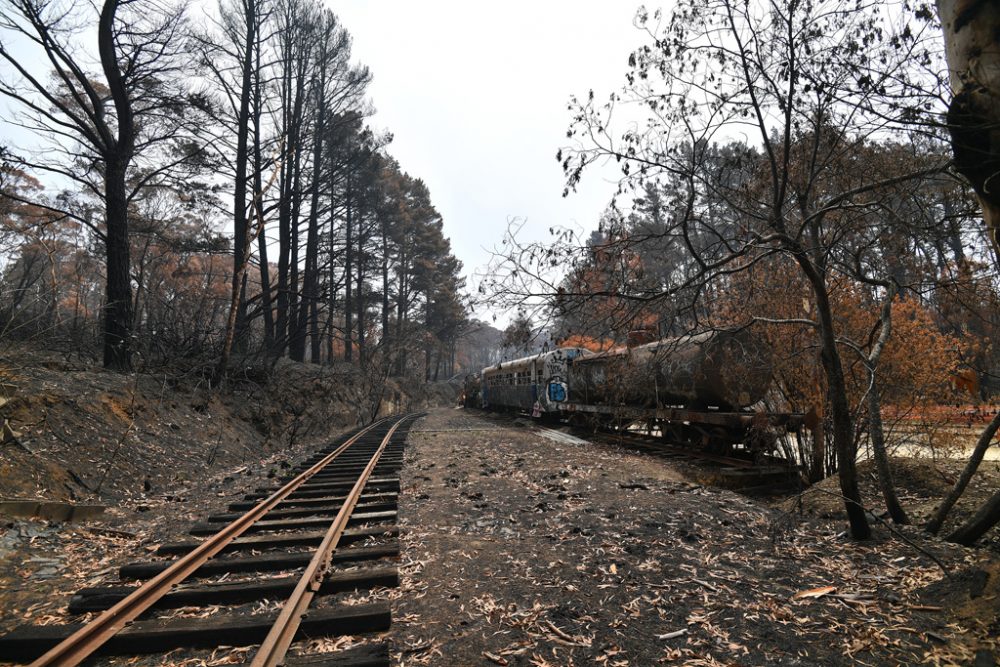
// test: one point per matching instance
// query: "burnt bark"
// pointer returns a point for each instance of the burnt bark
(117, 316)
(359, 299)
(386, 331)
(877, 436)
(118, 155)
(840, 411)
(985, 518)
(308, 311)
(348, 267)
(972, 48)
(236, 323)
(241, 226)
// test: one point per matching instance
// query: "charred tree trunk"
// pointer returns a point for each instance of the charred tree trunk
(386, 332)
(118, 294)
(401, 297)
(119, 153)
(360, 291)
(308, 311)
(236, 323)
(284, 218)
(240, 225)
(294, 335)
(348, 267)
(972, 49)
(840, 410)
(877, 436)
(985, 518)
(258, 203)
(875, 431)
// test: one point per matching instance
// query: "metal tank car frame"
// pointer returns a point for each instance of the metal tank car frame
(699, 390)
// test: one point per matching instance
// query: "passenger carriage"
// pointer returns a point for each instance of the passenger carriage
(535, 384)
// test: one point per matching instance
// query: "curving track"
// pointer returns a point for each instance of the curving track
(343, 495)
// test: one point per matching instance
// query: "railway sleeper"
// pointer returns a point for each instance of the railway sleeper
(28, 642)
(366, 655)
(314, 510)
(296, 539)
(381, 486)
(99, 599)
(351, 476)
(261, 563)
(355, 452)
(390, 459)
(356, 458)
(345, 486)
(245, 505)
(294, 524)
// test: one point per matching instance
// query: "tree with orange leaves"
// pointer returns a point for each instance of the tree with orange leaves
(724, 66)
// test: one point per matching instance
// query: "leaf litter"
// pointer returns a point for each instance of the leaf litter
(522, 550)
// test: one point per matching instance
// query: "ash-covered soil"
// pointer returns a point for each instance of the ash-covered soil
(522, 550)
(920, 484)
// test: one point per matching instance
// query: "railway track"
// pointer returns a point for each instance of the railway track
(744, 475)
(290, 543)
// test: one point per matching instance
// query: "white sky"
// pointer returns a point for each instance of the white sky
(475, 94)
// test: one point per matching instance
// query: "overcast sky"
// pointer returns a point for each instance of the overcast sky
(475, 94)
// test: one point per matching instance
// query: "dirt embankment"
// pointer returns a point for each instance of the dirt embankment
(83, 434)
(920, 483)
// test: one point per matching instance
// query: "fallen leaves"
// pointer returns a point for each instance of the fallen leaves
(814, 592)
(570, 568)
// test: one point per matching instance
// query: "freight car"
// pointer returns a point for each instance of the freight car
(536, 384)
(695, 389)
(726, 370)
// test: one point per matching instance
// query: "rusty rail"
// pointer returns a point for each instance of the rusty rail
(84, 642)
(272, 651)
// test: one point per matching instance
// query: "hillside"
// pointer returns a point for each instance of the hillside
(80, 433)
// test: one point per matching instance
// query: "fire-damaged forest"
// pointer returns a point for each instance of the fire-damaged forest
(746, 412)
(794, 175)
(244, 208)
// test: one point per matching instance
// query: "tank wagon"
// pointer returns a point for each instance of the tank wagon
(726, 370)
(698, 389)
(537, 384)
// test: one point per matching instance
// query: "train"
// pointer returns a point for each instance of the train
(704, 390)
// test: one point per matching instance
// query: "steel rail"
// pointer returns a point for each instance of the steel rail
(654, 444)
(674, 448)
(84, 642)
(274, 647)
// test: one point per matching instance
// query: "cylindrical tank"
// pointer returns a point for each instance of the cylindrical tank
(726, 369)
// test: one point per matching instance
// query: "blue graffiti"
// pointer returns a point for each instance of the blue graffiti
(557, 392)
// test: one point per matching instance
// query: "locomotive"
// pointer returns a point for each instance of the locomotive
(697, 389)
